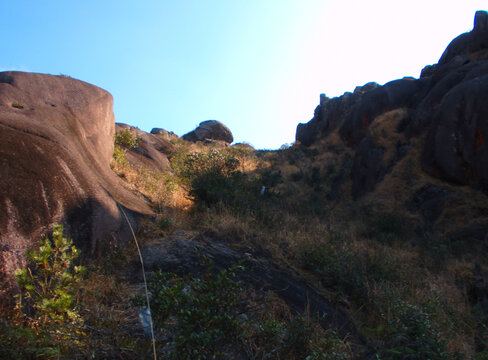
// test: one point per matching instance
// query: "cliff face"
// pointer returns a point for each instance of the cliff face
(56, 143)
(446, 108)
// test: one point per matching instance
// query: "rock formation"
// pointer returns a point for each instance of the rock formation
(447, 102)
(167, 135)
(210, 130)
(56, 143)
(151, 149)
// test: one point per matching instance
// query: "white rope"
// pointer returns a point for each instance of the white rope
(145, 282)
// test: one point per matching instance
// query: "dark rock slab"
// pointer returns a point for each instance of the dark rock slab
(183, 255)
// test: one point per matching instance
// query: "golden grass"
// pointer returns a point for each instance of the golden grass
(419, 281)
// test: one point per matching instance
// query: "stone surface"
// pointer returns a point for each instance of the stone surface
(429, 200)
(367, 166)
(211, 130)
(448, 102)
(456, 146)
(166, 135)
(403, 93)
(468, 43)
(56, 143)
(182, 253)
(152, 150)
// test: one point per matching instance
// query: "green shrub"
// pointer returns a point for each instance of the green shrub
(385, 227)
(202, 312)
(411, 334)
(119, 155)
(17, 105)
(47, 285)
(126, 139)
(46, 322)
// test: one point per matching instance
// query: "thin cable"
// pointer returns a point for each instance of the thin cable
(145, 283)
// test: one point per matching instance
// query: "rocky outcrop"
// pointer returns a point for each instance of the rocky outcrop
(469, 44)
(56, 143)
(182, 253)
(151, 150)
(396, 94)
(330, 114)
(448, 102)
(367, 166)
(455, 112)
(456, 146)
(210, 130)
(166, 135)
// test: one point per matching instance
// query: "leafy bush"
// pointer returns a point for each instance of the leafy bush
(211, 317)
(46, 323)
(203, 312)
(48, 284)
(126, 139)
(119, 155)
(385, 227)
(412, 335)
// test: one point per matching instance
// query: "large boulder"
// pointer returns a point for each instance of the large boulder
(456, 146)
(210, 130)
(56, 144)
(164, 134)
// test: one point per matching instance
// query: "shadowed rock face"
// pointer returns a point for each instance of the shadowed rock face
(56, 143)
(448, 103)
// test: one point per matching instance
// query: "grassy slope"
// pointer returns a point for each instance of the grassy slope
(410, 291)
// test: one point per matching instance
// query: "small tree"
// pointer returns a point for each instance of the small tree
(47, 284)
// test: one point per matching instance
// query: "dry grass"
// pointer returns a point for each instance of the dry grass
(413, 273)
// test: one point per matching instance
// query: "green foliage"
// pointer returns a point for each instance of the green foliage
(344, 269)
(203, 312)
(385, 227)
(48, 284)
(17, 105)
(209, 317)
(193, 165)
(46, 322)
(212, 177)
(166, 223)
(119, 155)
(126, 139)
(410, 333)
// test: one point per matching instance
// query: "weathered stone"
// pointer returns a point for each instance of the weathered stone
(468, 43)
(367, 167)
(166, 135)
(151, 151)
(395, 94)
(210, 129)
(429, 200)
(182, 254)
(456, 146)
(56, 144)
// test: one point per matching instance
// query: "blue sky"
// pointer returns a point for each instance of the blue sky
(258, 66)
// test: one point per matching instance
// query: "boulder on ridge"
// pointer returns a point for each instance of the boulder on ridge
(210, 130)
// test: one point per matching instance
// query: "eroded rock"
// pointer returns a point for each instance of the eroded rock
(210, 130)
(56, 143)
